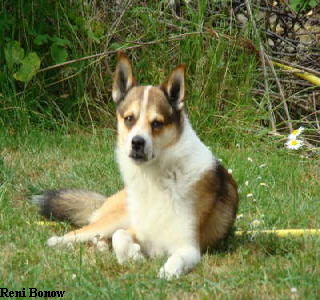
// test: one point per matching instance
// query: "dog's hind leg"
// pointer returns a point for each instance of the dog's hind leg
(110, 217)
(111, 204)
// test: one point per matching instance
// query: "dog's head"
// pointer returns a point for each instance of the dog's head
(150, 118)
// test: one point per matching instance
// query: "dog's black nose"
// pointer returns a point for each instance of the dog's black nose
(138, 143)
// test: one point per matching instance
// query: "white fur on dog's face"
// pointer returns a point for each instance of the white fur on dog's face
(146, 112)
(149, 117)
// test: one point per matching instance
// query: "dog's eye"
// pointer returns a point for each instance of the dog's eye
(156, 124)
(129, 120)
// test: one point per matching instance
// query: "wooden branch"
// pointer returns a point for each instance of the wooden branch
(315, 109)
(265, 75)
(284, 101)
(106, 53)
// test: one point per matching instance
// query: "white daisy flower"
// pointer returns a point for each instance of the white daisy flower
(263, 184)
(255, 223)
(250, 159)
(294, 290)
(246, 183)
(249, 195)
(295, 133)
(262, 166)
(294, 144)
(239, 216)
(230, 171)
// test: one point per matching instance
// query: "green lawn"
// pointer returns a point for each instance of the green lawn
(285, 194)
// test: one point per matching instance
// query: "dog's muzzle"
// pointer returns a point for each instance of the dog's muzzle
(138, 148)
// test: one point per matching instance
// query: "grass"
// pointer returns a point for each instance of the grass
(264, 267)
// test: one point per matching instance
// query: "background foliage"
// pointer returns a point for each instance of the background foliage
(48, 80)
(38, 34)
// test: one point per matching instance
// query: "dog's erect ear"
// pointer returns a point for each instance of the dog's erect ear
(174, 87)
(123, 79)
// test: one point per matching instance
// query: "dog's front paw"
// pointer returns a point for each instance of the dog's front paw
(135, 252)
(172, 269)
(54, 241)
(100, 244)
(124, 247)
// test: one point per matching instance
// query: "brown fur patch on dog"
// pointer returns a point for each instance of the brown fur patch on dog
(216, 206)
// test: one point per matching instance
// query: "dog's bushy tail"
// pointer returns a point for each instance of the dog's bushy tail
(75, 206)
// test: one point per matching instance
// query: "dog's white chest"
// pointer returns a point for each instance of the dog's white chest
(161, 214)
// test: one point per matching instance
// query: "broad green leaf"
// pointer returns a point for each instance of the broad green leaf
(6, 22)
(95, 30)
(295, 4)
(313, 3)
(59, 54)
(29, 68)
(298, 5)
(116, 46)
(61, 42)
(41, 39)
(93, 37)
(13, 53)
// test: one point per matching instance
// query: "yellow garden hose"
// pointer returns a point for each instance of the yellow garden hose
(304, 75)
(282, 232)
(277, 232)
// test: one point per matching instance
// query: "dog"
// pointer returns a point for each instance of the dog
(177, 199)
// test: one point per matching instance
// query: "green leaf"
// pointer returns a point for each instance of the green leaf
(41, 39)
(313, 3)
(93, 37)
(299, 5)
(116, 46)
(295, 4)
(29, 68)
(59, 54)
(13, 53)
(6, 22)
(95, 30)
(61, 42)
